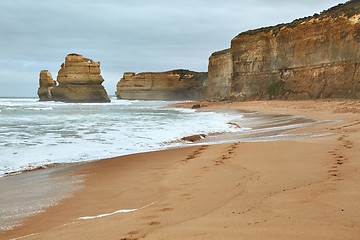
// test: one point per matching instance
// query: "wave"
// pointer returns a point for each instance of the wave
(40, 108)
(56, 132)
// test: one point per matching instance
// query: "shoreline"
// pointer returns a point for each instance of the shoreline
(241, 120)
(290, 189)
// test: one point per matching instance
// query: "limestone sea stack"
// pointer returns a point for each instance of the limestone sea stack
(310, 58)
(46, 84)
(170, 85)
(78, 80)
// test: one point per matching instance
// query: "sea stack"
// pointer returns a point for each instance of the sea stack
(46, 84)
(78, 80)
(170, 85)
(309, 58)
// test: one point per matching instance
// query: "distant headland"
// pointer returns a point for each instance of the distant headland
(310, 58)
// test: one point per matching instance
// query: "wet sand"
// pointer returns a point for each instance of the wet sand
(27, 194)
(305, 188)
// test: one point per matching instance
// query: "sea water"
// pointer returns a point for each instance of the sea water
(34, 133)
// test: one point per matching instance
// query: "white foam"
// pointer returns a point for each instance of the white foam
(40, 108)
(184, 110)
(116, 212)
(77, 132)
(30, 235)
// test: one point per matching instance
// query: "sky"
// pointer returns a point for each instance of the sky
(127, 35)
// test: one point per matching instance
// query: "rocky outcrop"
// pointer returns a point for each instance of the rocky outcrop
(310, 58)
(79, 80)
(171, 85)
(46, 84)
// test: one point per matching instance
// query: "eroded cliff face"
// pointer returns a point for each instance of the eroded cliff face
(310, 58)
(46, 84)
(220, 75)
(171, 85)
(79, 80)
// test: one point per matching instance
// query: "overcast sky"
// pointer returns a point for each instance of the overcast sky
(127, 35)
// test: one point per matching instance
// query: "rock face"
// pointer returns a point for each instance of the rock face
(46, 84)
(79, 80)
(220, 75)
(171, 85)
(310, 58)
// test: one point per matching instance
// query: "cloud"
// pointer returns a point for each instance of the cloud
(127, 35)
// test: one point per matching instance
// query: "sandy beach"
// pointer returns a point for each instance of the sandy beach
(295, 189)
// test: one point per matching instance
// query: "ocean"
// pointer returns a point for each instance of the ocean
(34, 133)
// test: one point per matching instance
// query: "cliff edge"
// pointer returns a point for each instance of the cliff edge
(310, 58)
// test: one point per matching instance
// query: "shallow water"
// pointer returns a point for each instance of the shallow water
(30, 193)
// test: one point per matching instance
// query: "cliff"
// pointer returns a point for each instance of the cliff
(220, 75)
(46, 84)
(79, 80)
(170, 85)
(310, 58)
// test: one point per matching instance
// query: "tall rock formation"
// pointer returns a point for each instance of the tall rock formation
(220, 75)
(46, 84)
(171, 85)
(310, 58)
(78, 80)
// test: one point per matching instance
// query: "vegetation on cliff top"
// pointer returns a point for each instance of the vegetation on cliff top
(221, 52)
(196, 76)
(347, 9)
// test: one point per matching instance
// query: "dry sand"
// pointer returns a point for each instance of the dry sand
(298, 189)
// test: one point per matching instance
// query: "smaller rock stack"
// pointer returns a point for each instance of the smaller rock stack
(79, 80)
(46, 84)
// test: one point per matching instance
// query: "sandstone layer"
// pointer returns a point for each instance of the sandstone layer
(79, 80)
(46, 84)
(170, 85)
(310, 58)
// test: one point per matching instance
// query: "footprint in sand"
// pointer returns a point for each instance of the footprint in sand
(333, 171)
(195, 154)
(129, 238)
(348, 144)
(221, 160)
(218, 162)
(154, 223)
(166, 209)
(186, 196)
(150, 217)
(202, 148)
